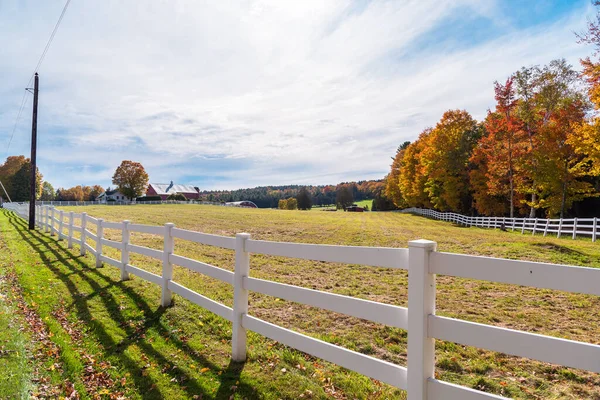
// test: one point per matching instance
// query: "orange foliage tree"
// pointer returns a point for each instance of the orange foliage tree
(497, 156)
(131, 179)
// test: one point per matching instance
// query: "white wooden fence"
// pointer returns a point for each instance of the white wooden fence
(67, 203)
(570, 227)
(420, 320)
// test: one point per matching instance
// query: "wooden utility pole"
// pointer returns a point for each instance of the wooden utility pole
(32, 185)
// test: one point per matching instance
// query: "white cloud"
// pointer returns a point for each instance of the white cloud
(257, 92)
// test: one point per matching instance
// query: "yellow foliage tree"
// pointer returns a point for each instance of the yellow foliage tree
(446, 159)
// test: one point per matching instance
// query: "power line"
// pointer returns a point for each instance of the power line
(39, 63)
(62, 14)
(23, 101)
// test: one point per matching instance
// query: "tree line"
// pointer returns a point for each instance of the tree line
(130, 177)
(323, 195)
(537, 153)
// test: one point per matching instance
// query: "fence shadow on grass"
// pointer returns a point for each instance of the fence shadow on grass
(71, 264)
(560, 248)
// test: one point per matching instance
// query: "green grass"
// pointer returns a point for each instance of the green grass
(362, 203)
(142, 343)
(15, 381)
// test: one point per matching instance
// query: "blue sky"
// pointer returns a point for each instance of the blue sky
(226, 95)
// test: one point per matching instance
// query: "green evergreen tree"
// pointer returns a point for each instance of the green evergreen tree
(304, 199)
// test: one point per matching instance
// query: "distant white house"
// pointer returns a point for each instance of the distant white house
(111, 195)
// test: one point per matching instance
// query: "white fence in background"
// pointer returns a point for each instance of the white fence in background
(67, 203)
(570, 227)
(420, 320)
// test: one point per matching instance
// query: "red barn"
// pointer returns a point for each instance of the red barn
(165, 189)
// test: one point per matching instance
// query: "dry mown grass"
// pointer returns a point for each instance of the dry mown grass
(548, 312)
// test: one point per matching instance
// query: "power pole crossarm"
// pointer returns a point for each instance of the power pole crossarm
(32, 185)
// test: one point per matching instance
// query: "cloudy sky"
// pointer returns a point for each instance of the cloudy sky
(230, 94)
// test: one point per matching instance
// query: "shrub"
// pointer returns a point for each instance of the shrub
(282, 204)
(292, 203)
(149, 198)
(288, 204)
(176, 196)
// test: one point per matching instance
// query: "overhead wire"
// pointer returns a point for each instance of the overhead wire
(38, 65)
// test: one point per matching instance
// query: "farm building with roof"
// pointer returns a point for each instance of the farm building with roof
(165, 189)
(245, 203)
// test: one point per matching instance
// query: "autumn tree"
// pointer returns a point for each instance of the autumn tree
(303, 199)
(412, 176)
(498, 153)
(344, 197)
(485, 201)
(8, 170)
(48, 193)
(542, 92)
(292, 204)
(76, 193)
(392, 180)
(586, 140)
(560, 167)
(445, 159)
(95, 191)
(20, 183)
(282, 205)
(131, 179)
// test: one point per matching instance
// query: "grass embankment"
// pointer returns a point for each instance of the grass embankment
(142, 343)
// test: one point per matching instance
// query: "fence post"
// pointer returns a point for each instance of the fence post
(535, 221)
(60, 224)
(574, 227)
(559, 227)
(70, 242)
(240, 297)
(595, 224)
(421, 304)
(546, 228)
(83, 235)
(51, 221)
(167, 270)
(125, 251)
(99, 234)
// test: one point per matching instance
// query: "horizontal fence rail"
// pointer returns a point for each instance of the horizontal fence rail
(71, 203)
(562, 227)
(421, 259)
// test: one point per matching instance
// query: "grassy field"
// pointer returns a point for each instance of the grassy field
(184, 351)
(361, 203)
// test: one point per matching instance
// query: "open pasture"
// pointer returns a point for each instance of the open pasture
(126, 328)
(554, 313)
